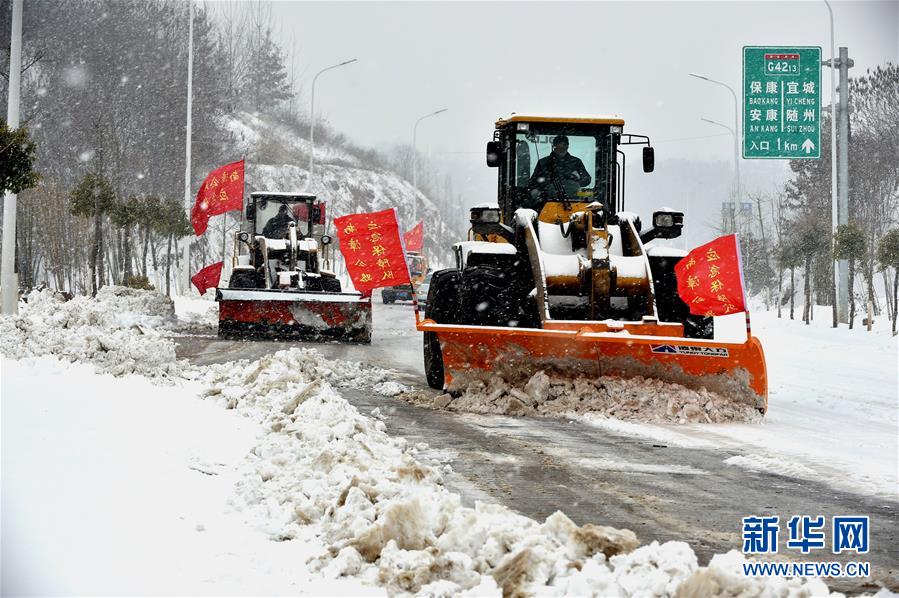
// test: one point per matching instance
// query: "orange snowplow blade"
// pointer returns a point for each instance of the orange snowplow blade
(591, 349)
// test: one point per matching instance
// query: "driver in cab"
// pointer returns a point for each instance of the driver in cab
(276, 227)
(559, 175)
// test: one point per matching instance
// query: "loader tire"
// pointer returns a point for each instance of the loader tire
(444, 303)
(444, 307)
(330, 285)
(433, 361)
(497, 297)
(242, 279)
(699, 327)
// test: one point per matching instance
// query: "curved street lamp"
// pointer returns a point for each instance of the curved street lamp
(312, 116)
(736, 128)
(415, 159)
(736, 155)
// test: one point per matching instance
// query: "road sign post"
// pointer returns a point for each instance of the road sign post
(782, 102)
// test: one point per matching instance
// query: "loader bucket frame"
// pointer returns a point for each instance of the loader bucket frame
(736, 371)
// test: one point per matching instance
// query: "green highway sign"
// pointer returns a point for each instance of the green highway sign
(782, 102)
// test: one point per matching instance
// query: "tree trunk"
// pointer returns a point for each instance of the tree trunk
(851, 292)
(891, 307)
(96, 260)
(871, 297)
(780, 290)
(143, 261)
(126, 253)
(792, 291)
(895, 297)
(806, 310)
(758, 203)
(168, 268)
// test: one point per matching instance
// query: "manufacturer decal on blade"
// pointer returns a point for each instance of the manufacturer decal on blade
(690, 350)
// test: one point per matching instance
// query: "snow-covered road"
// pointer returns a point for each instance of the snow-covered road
(828, 443)
(139, 475)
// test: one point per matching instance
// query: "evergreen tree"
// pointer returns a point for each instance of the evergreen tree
(17, 156)
(849, 244)
(266, 84)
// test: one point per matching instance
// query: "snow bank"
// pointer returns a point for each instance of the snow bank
(376, 503)
(633, 399)
(386, 517)
(118, 331)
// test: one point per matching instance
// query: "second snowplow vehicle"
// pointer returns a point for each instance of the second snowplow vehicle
(277, 288)
(558, 277)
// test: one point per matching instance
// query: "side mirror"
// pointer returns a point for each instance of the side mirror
(326, 239)
(494, 153)
(251, 211)
(649, 159)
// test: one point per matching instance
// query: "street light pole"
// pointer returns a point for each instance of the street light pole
(736, 129)
(312, 117)
(9, 282)
(415, 160)
(736, 154)
(834, 218)
(187, 144)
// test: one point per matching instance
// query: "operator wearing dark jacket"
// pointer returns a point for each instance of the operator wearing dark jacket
(559, 175)
(276, 227)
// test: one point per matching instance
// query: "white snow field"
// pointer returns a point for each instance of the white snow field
(259, 478)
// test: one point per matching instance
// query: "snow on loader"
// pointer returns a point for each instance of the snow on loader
(277, 288)
(558, 277)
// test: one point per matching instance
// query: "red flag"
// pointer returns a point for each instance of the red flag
(208, 277)
(710, 278)
(414, 238)
(301, 212)
(370, 244)
(221, 192)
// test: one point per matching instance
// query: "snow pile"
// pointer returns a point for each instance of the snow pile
(116, 331)
(634, 399)
(386, 517)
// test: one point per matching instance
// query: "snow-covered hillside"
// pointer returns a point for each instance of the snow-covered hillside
(278, 160)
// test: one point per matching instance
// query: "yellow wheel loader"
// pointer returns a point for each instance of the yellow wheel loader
(558, 277)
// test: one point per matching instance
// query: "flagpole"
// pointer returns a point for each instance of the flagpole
(187, 202)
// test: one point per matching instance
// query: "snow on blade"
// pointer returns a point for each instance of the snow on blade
(632, 399)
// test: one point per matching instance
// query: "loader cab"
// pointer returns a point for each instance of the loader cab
(535, 172)
(270, 213)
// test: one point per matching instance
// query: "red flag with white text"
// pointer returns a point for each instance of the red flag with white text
(371, 248)
(208, 277)
(221, 192)
(710, 278)
(414, 239)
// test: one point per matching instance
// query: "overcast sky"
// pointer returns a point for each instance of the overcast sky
(482, 60)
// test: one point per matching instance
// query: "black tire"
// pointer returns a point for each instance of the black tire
(444, 304)
(330, 285)
(670, 306)
(433, 361)
(498, 297)
(444, 307)
(242, 279)
(699, 327)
